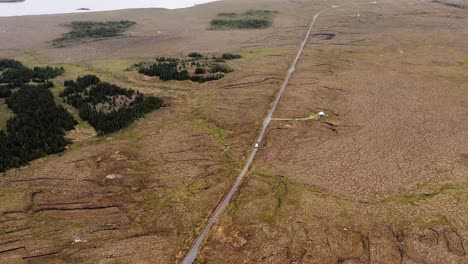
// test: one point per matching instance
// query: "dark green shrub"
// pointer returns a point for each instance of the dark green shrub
(220, 68)
(4, 92)
(195, 55)
(200, 71)
(90, 95)
(38, 127)
(240, 23)
(230, 56)
(167, 68)
(83, 31)
(254, 19)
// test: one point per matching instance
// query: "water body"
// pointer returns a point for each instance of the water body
(47, 7)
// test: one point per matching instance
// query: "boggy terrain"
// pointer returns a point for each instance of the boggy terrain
(382, 179)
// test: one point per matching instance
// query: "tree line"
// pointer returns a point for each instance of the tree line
(38, 127)
(82, 31)
(253, 19)
(107, 107)
(13, 74)
(196, 68)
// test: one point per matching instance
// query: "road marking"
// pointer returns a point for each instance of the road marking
(191, 256)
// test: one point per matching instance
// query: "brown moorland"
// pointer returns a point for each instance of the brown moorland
(382, 179)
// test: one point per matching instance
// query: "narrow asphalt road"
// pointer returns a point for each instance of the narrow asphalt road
(191, 256)
(295, 119)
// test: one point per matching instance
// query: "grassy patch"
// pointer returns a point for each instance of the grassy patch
(56, 90)
(164, 203)
(86, 31)
(254, 19)
(464, 62)
(441, 220)
(279, 196)
(233, 206)
(420, 197)
(113, 66)
(283, 188)
(281, 191)
(31, 59)
(6, 193)
(254, 54)
(5, 113)
(218, 133)
(180, 195)
(267, 217)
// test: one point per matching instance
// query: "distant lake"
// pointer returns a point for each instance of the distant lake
(42, 7)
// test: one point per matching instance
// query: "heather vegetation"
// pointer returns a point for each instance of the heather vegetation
(38, 126)
(195, 67)
(107, 107)
(85, 31)
(253, 19)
